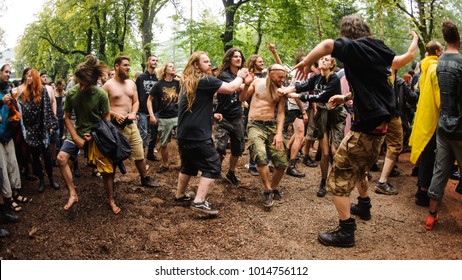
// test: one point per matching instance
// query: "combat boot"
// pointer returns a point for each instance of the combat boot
(362, 209)
(343, 236)
(322, 188)
(292, 169)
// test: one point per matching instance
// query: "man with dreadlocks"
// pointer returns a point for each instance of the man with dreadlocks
(90, 104)
(194, 132)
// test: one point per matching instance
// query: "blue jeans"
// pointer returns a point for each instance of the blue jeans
(143, 126)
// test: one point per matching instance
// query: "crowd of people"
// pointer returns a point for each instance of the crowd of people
(353, 113)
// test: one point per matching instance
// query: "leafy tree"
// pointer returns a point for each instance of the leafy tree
(231, 8)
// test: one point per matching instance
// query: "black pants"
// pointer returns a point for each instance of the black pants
(38, 170)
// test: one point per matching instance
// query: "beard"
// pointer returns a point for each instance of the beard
(123, 75)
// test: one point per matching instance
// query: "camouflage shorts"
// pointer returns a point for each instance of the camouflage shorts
(261, 135)
(356, 154)
(337, 124)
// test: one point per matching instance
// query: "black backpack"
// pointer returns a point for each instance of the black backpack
(111, 143)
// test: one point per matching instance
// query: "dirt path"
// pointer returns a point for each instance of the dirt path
(151, 226)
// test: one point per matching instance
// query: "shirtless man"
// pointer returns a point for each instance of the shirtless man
(265, 133)
(124, 103)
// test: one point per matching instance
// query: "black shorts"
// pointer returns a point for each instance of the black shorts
(199, 155)
(232, 130)
(293, 114)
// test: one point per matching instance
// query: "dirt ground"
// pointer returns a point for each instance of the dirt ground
(152, 227)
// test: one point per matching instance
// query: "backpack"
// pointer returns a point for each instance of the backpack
(111, 142)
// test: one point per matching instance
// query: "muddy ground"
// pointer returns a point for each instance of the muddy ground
(152, 227)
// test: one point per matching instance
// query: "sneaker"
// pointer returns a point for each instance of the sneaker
(285, 135)
(231, 177)
(430, 223)
(455, 176)
(184, 198)
(385, 188)
(253, 171)
(268, 199)
(203, 207)
(277, 195)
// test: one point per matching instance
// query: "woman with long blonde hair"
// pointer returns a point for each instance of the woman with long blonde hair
(194, 133)
(38, 122)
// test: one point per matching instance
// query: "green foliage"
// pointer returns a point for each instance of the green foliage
(66, 30)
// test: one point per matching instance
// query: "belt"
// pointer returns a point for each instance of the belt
(272, 122)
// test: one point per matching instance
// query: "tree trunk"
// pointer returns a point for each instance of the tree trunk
(230, 12)
(150, 8)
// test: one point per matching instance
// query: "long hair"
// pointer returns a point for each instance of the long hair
(190, 78)
(252, 62)
(161, 72)
(34, 89)
(89, 71)
(226, 62)
(24, 73)
(354, 27)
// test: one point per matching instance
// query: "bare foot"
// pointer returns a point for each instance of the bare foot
(116, 209)
(72, 200)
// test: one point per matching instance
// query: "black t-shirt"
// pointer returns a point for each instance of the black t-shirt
(165, 98)
(449, 71)
(323, 89)
(144, 83)
(196, 125)
(367, 62)
(228, 104)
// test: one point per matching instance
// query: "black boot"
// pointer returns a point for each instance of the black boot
(362, 209)
(76, 171)
(322, 188)
(146, 182)
(309, 162)
(53, 184)
(343, 236)
(459, 187)
(6, 215)
(41, 186)
(421, 198)
(292, 169)
(151, 156)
